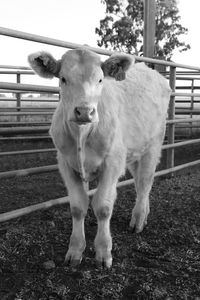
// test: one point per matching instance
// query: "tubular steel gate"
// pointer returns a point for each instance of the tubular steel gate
(18, 89)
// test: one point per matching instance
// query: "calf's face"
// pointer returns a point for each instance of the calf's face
(81, 75)
(81, 82)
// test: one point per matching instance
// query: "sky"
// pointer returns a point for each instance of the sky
(68, 20)
(189, 12)
(75, 21)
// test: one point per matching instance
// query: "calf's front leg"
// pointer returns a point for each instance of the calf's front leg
(102, 203)
(78, 205)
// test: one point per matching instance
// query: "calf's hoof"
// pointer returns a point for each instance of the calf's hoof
(73, 258)
(103, 260)
(138, 220)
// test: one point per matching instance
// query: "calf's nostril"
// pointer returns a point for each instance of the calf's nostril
(92, 112)
(77, 112)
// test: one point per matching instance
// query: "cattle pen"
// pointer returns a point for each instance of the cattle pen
(183, 114)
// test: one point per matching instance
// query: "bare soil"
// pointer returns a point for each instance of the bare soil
(163, 262)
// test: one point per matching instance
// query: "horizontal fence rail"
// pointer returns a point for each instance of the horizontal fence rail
(25, 123)
(34, 113)
(185, 94)
(181, 144)
(22, 152)
(34, 99)
(29, 87)
(17, 72)
(44, 169)
(25, 138)
(28, 171)
(21, 130)
(28, 108)
(54, 42)
(50, 203)
(164, 147)
(39, 129)
(15, 67)
(188, 120)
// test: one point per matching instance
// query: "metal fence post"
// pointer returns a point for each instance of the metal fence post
(192, 106)
(171, 116)
(18, 96)
(149, 28)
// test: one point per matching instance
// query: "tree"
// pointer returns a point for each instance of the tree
(122, 28)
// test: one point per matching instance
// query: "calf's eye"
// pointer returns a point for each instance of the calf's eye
(63, 80)
(100, 80)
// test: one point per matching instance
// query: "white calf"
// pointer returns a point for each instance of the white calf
(111, 115)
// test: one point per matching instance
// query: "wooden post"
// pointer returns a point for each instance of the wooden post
(171, 116)
(149, 28)
(18, 96)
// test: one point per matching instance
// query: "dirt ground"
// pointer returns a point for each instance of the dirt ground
(163, 262)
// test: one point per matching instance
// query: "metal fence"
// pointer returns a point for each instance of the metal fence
(175, 118)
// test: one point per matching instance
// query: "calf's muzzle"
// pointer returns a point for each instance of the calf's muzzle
(85, 114)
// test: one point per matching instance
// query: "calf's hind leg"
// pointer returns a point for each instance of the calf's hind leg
(143, 172)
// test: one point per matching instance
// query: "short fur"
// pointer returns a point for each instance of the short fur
(131, 111)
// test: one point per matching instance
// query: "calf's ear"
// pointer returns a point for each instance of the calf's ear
(117, 65)
(44, 64)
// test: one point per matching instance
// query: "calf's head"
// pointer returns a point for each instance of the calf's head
(81, 74)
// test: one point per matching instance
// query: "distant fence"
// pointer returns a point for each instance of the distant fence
(185, 115)
(189, 105)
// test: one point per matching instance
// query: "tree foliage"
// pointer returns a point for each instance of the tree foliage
(122, 27)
